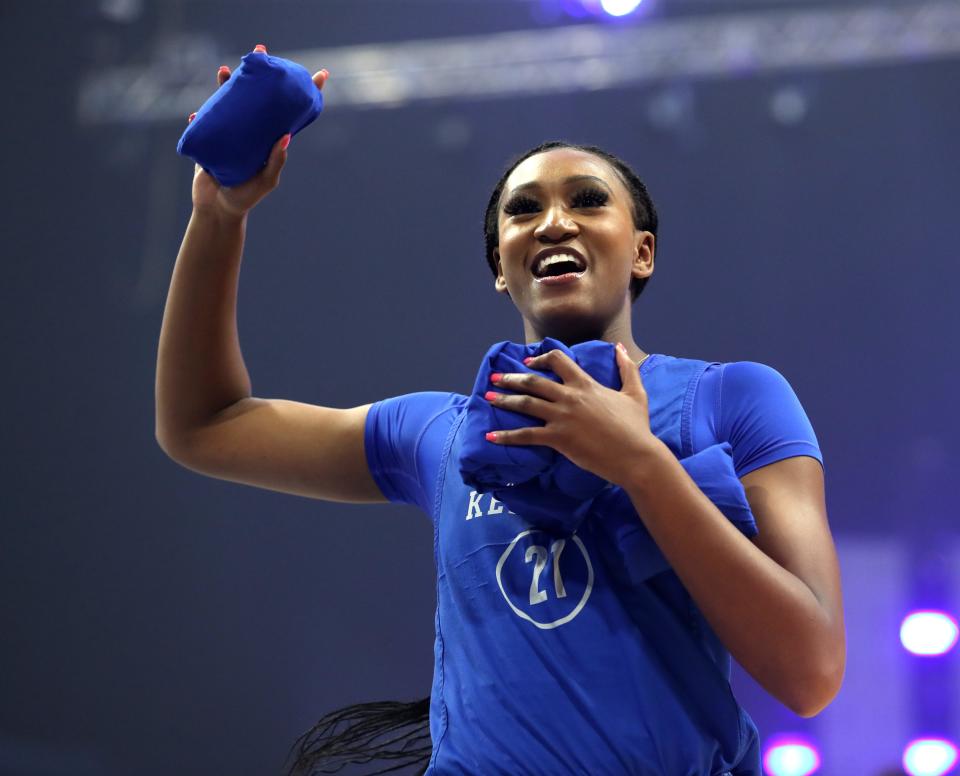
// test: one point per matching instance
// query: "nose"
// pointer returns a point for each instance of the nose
(556, 226)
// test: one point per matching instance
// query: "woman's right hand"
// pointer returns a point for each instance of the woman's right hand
(210, 196)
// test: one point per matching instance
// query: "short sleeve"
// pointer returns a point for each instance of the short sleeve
(762, 418)
(403, 439)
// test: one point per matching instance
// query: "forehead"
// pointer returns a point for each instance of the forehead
(551, 167)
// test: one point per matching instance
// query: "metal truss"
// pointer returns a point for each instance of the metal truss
(574, 58)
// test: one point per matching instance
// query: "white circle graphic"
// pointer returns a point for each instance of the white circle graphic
(520, 612)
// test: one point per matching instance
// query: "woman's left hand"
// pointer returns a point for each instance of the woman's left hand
(604, 431)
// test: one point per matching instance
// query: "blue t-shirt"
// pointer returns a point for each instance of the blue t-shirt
(598, 695)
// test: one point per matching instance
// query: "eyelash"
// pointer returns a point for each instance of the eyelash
(589, 197)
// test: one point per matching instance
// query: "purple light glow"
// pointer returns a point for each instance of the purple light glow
(929, 757)
(790, 755)
(929, 633)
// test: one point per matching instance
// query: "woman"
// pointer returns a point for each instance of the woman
(592, 672)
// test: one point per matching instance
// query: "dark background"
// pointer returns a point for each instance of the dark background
(156, 621)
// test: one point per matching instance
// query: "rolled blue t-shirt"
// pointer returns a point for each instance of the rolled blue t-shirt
(623, 690)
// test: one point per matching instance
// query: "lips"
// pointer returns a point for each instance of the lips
(558, 250)
(559, 280)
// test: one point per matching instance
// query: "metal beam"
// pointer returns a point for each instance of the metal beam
(562, 59)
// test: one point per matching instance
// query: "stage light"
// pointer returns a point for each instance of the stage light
(789, 755)
(929, 757)
(619, 7)
(929, 633)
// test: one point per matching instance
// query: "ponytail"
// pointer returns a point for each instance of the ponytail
(324, 750)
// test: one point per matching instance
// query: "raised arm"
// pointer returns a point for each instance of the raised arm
(206, 416)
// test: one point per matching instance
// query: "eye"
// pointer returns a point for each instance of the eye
(590, 197)
(520, 204)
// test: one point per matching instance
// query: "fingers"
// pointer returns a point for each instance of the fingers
(560, 364)
(628, 370)
(222, 75)
(524, 404)
(224, 72)
(529, 383)
(278, 158)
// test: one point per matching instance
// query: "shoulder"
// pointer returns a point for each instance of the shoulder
(750, 387)
(751, 375)
(733, 378)
(736, 384)
(754, 407)
(409, 415)
(424, 401)
(403, 437)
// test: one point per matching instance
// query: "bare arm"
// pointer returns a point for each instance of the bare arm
(200, 368)
(775, 602)
(206, 416)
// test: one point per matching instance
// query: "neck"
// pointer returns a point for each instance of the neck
(616, 331)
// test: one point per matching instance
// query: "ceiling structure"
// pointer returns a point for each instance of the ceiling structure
(569, 58)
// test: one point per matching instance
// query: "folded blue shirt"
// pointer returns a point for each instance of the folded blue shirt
(234, 131)
(639, 557)
(533, 480)
(548, 489)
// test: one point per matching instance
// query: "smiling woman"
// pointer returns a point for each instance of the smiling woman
(588, 191)
(638, 680)
(582, 202)
(602, 649)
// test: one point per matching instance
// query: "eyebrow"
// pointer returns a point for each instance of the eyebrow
(571, 179)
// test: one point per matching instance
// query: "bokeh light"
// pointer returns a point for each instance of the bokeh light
(619, 7)
(790, 755)
(929, 757)
(929, 633)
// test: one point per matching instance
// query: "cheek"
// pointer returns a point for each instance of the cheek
(511, 251)
(617, 240)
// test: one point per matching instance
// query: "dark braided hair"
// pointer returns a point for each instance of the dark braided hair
(644, 212)
(393, 730)
(324, 750)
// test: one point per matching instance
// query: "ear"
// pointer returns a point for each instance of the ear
(500, 284)
(645, 249)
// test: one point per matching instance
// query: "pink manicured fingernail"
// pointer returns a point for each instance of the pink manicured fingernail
(528, 359)
(223, 69)
(496, 377)
(260, 47)
(285, 142)
(491, 436)
(191, 117)
(622, 348)
(490, 395)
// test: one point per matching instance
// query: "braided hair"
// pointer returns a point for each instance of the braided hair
(382, 730)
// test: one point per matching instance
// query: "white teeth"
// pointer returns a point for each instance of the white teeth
(557, 257)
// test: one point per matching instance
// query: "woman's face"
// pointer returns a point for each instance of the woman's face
(569, 202)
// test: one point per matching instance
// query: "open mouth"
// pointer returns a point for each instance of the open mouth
(559, 265)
